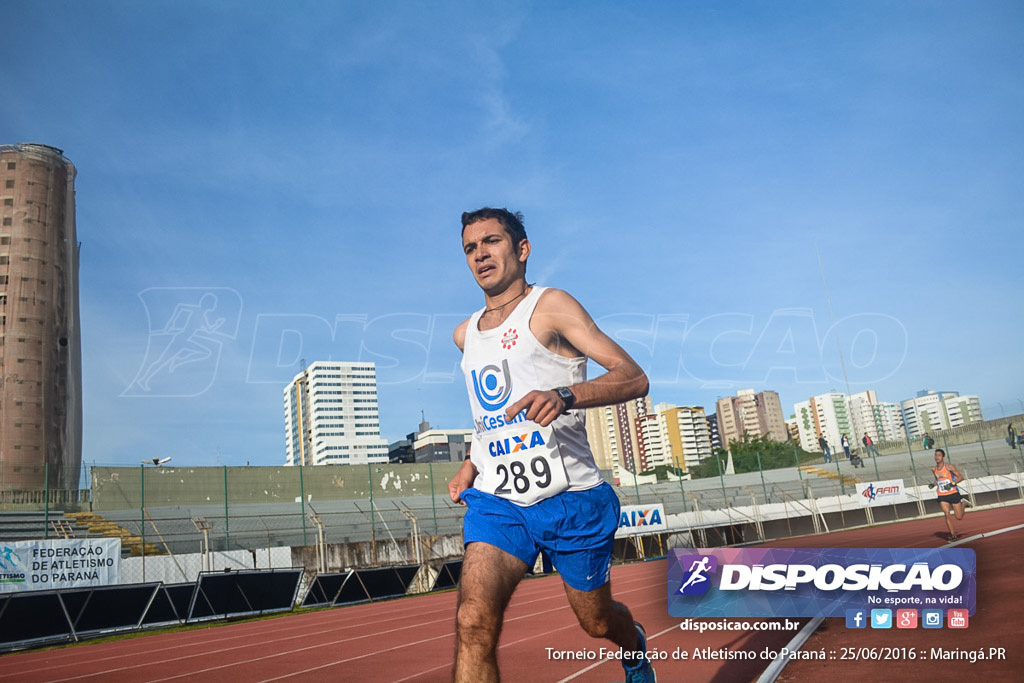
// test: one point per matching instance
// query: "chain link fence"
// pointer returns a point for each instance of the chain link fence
(175, 522)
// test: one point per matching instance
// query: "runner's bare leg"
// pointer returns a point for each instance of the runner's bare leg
(947, 511)
(602, 617)
(489, 577)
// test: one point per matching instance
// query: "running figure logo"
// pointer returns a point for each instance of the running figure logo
(869, 492)
(696, 581)
(188, 327)
(9, 560)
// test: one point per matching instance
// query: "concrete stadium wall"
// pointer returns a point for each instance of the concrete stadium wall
(945, 438)
(397, 552)
(121, 488)
(185, 567)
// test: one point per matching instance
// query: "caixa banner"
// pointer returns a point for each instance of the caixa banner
(640, 519)
(817, 582)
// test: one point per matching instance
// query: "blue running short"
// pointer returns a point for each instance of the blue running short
(575, 529)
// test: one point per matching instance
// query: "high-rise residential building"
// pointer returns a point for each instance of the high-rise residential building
(331, 416)
(794, 430)
(40, 335)
(962, 410)
(650, 442)
(825, 415)
(754, 414)
(880, 420)
(933, 411)
(612, 433)
(716, 437)
(685, 434)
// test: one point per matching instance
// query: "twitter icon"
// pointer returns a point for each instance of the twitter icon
(881, 618)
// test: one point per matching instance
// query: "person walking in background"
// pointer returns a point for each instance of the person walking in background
(1011, 435)
(824, 448)
(869, 446)
(845, 441)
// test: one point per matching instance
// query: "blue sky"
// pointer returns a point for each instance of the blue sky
(679, 165)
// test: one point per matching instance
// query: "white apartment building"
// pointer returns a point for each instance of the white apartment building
(331, 416)
(651, 442)
(933, 411)
(827, 415)
(882, 421)
(963, 410)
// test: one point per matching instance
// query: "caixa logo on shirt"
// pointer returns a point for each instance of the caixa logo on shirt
(514, 444)
(492, 385)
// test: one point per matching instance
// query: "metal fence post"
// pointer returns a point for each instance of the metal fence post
(761, 470)
(227, 518)
(984, 455)
(142, 518)
(433, 500)
(839, 473)
(46, 502)
(910, 452)
(302, 501)
(373, 524)
(721, 477)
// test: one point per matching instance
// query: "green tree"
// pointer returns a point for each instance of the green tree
(774, 454)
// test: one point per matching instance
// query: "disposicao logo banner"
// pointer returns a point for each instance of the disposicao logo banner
(817, 582)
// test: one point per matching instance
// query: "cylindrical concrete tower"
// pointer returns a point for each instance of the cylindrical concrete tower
(40, 337)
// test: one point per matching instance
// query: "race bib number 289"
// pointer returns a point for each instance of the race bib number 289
(522, 464)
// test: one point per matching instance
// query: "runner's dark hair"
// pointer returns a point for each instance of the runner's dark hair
(512, 222)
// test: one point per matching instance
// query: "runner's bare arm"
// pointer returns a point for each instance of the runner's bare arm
(459, 336)
(464, 478)
(564, 326)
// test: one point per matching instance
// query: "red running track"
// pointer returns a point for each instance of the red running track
(411, 639)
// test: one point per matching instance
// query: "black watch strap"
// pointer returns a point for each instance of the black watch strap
(569, 398)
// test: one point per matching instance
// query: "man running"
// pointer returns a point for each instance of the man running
(531, 483)
(947, 477)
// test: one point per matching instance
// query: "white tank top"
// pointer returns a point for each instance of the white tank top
(520, 460)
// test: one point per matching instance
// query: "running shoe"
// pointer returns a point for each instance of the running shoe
(642, 671)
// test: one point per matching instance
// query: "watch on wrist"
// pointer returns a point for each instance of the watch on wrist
(569, 398)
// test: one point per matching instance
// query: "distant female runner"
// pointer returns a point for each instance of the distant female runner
(947, 477)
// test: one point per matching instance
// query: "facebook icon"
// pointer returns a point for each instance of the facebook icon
(856, 618)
